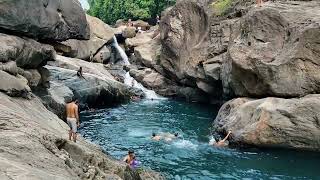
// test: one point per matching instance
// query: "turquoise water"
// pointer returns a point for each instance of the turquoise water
(190, 157)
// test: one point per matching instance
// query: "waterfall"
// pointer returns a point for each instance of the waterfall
(121, 51)
(130, 81)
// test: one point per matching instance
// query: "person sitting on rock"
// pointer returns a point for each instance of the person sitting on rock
(156, 137)
(130, 24)
(79, 73)
(91, 57)
(72, 110)
(129, 158)
(134, 164)
(222, 143)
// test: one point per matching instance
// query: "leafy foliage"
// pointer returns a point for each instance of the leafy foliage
(111, 10)
(221, 6)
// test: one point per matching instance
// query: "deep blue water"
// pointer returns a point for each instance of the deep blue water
(190, 157)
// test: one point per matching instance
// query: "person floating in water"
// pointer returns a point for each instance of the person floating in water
(166, 136)
(79, 73)
(170, 137)
(129, 158)
(222, 143)
(72, 110)
(156, 137)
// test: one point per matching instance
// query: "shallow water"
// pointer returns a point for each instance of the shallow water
(190, 156)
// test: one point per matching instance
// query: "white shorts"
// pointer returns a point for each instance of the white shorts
(72, 122)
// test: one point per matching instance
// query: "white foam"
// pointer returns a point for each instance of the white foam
(130, 81)
(212, 141)
(185, 144)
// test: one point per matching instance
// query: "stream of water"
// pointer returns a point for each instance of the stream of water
(190, 157)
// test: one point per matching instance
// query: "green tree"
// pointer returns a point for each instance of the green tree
(112, 10)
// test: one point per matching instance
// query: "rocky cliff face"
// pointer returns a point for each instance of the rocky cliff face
(247, 51)
(33, 142)
(34, 146)
(44, 20)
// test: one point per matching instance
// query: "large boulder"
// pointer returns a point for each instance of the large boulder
(129, 32)
(27, 53)
(100, 29)
(93, 90)
(55, 98)
(103, 55)
(14, 85)
(99, 86)
(100, 35)
(194, 44)
(148, 53)
(82, 49)
(155, 81)
(184, 33)
(273, 122)
(74, 64)
(44, 20)
(275, 51)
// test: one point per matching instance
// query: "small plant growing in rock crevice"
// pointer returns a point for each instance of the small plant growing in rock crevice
(221, 6)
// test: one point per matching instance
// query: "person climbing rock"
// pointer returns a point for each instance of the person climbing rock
(222, 143)
(79, 73)
(129, 158)
(72, 110)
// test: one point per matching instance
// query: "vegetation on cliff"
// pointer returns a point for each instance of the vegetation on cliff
(111, 10)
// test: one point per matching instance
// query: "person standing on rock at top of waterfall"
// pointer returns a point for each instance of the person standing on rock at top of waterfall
(158, 19)
(222, 143)
(72, 110)
(130, 24)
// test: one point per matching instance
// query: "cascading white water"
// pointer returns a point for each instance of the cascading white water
(121, 51)
(130, 81)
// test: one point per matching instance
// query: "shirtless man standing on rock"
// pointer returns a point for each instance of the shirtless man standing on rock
(73, 119)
